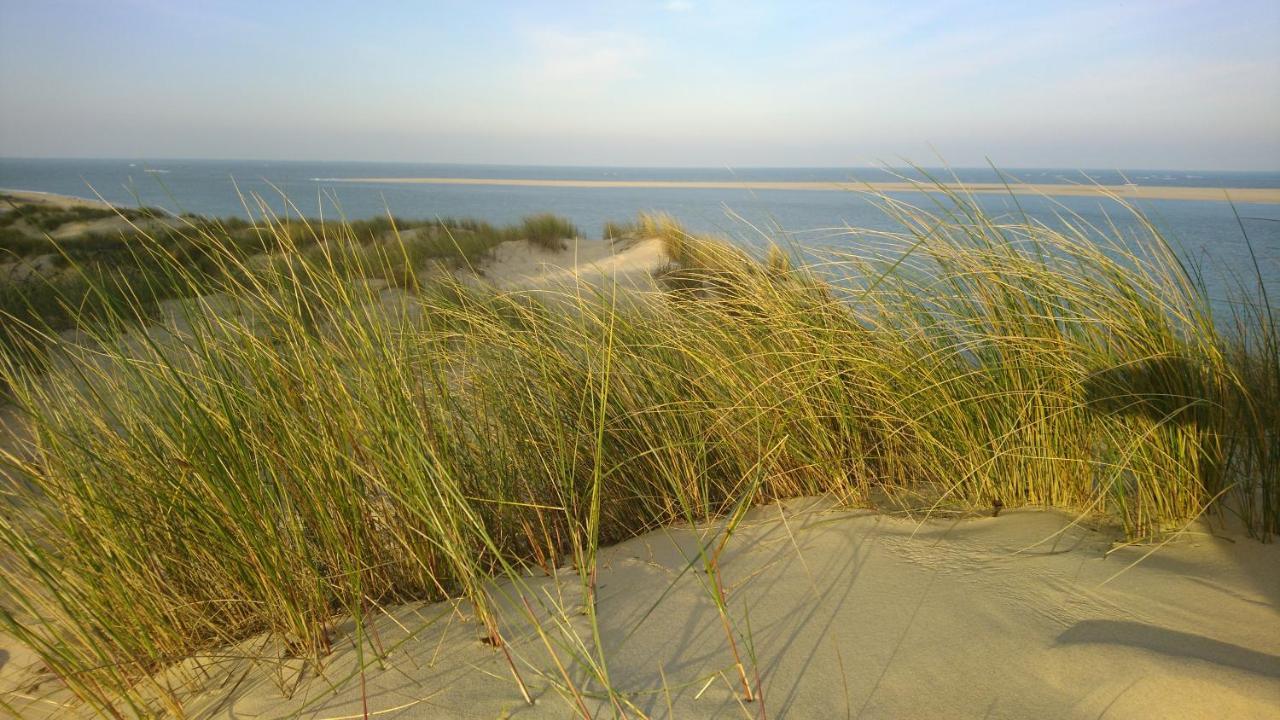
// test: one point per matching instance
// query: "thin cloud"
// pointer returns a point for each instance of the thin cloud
(591, 59)
(679, 6)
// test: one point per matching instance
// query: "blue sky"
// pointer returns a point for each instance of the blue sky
(1133, 84)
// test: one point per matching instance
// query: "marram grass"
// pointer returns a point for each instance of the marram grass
(302, 445)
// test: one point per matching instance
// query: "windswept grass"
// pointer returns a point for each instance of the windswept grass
(666, 228)
(614, 231)
(301, 449)
(58, 284)
(547, 231)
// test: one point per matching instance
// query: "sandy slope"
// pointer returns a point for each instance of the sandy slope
(33, 197)
(858, 615)
(519, 265)
(44, 266)
(852, 614)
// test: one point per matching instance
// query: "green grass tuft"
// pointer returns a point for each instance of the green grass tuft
(547, 231)
(616, 231)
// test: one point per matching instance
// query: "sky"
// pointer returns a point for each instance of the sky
(1165, 84)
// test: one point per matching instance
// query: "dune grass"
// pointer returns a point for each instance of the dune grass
(613, 231)
(48, 218)
(547, 231)
(300, 448)
(126, 273)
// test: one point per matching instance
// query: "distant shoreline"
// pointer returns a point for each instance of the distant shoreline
(1146, 192)
(40, 197)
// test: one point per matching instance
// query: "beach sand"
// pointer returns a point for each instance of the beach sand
(517, 265)
(1240, 195)
(851, 614)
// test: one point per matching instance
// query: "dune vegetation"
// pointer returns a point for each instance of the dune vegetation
(298, 446)
(58, 271)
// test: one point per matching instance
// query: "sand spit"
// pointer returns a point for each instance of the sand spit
(851, 614)
(1241, 195)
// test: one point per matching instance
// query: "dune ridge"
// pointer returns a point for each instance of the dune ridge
(852, 614)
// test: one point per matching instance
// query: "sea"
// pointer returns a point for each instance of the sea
(1220, 239)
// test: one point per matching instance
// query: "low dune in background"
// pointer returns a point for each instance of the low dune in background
(518, 265)
(53, 200)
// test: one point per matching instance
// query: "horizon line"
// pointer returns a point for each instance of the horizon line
(879, 167)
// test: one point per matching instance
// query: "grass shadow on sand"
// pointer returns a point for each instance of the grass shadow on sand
(1171, 643)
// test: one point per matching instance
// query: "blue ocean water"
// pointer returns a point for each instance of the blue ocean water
(1211, 234)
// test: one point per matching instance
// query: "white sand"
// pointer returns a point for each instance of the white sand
(520, 265)
(852, 614)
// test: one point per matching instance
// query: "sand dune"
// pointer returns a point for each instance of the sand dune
(54, 200)
(851, 614)
(514, 266)
(519, 265)
(838, 613)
